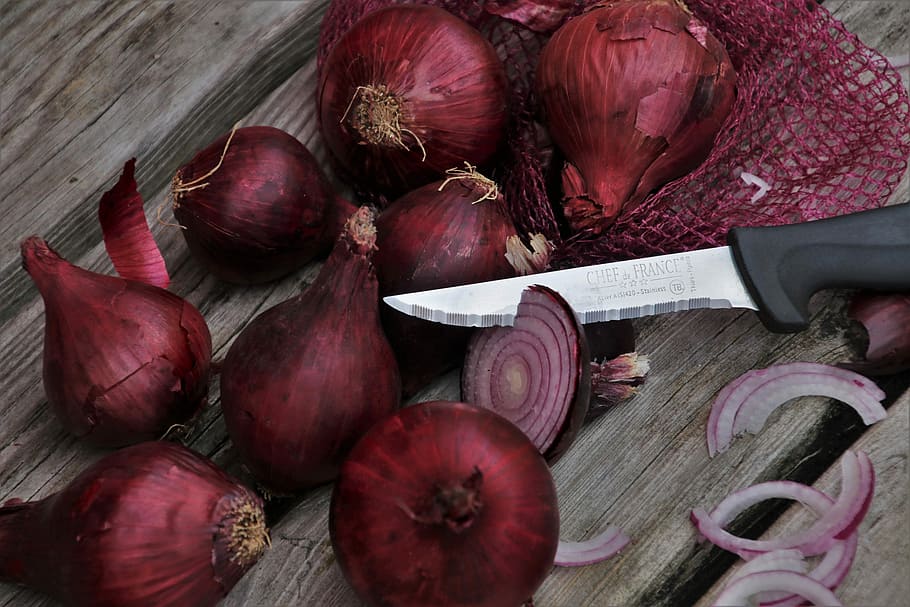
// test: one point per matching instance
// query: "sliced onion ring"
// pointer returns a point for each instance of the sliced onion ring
(745, 404)
(599, 548)
(739, 591)
(837, 561)
(840, 520)
(535, 373)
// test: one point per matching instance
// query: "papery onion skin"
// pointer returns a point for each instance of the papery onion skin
(634, 94)
(886, 320)
(267, 208)
(306, 378)
(448, 505)
(151, 524)
(123, 360)
(430, 239)
(433, 82)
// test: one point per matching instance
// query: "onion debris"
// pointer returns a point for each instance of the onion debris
(836, 523)
(606, 544)
(538, 373)
(745, 404)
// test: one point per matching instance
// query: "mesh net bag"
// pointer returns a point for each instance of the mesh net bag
(819, 117)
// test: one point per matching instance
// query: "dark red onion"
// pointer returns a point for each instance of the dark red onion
(443, 234)
(444, 504)
(408, 92)
(886, 320)
(538, 373)
(255, 205)
(123, 360)
(634, 93)
(306, 378)
(152, 524)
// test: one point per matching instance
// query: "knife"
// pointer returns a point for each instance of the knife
(772, 270)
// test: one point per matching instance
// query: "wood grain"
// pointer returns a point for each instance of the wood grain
(91, 84)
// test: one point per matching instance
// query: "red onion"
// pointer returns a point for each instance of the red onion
(123, 360)
(837, 523)
(537, 373)
(633, 93)
(127, 237)
(306, 378)
(537, 15)
(745, 404)
(443, 234)
(444, 504)
(886, 319)
(152, 524)
(408, 92)
(255, 205)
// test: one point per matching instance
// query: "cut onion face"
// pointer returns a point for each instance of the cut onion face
(745, 404)
(536, 373)
(599, 548)
(836, 523)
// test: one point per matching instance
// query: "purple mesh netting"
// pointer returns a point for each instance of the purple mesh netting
(819, 116)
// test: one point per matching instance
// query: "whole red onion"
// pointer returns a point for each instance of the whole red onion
(443, 234)
(408, 92)
(306, 378)
(634, 93)
(255, 205)
(123, 360)
(885, 318)
(444, 504)
(151, 524)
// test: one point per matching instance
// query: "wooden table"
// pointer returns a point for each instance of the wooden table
(87, 85)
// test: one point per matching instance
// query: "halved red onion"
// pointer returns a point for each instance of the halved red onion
(745, 404)
(599, 548)
(886, 318)
(127, 237)
(837, 561)
(536, 373)
(740, 591)
(838, 522)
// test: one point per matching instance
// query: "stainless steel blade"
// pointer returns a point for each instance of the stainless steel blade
(705, 278)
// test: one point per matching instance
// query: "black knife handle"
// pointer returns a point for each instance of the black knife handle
(783, 266)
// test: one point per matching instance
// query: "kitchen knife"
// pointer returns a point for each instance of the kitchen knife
(773, 270)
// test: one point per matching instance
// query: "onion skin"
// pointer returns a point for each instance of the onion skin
(306, 378)
(432, 81)
(444, 504)
(123, 360)
(152, 524)
(429, 239)
(886, 320)
(267, 209)
(634, 94)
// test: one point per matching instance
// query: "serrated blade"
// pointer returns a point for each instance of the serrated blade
(706, 278)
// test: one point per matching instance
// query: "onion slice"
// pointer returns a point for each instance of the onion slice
(127, 237)
(745, 404)
(838, 522)
(837, 561)
(599, 548)
(738, 592)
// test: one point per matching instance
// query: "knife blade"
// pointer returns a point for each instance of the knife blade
(772, 270)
